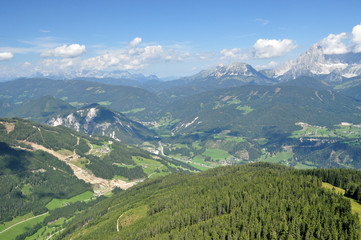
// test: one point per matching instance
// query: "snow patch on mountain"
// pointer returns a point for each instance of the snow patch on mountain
(316, 62)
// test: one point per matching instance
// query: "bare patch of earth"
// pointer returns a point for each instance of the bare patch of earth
(100, 185)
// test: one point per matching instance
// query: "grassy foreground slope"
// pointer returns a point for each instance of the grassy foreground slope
(255, 201)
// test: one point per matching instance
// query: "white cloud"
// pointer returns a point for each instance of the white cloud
(270, 48)
(333, 44)
(6, 56)
(65, 51)
(356, 38)
(234, 53)
(271, 64)
(135, 42)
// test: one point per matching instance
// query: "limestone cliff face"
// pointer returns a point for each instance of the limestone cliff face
(98, 120)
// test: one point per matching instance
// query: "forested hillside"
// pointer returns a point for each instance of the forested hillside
(43, 168)
(257, 201)
(79, 93)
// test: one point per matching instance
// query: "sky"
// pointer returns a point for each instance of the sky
(83, 38)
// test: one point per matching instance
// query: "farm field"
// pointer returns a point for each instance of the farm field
(21, 227)
(58, 203)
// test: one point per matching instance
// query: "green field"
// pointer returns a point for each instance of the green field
(300, 165)
(200, 159)
(200, 168)
(15, 220)
(105, 103)
(22, 227)
(236, 139)
(47, 230)
(58, 203)
(149, 166)
(246, 109)
(355, 206)
(278, 157)
(216, 154)
(339, 131)
(134, 110)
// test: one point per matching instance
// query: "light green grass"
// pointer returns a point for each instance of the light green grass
(58, 203)
(149, 165)
(134, 110)
(196, 145)
(65, 152)
(234, 101)
(26, 190)
(161, 172)
(77, 104)
(278, 157)
(201, 168)
(21, 228)
(129, 217)
(246, 109)
(216, 154)
(15, 220)
(105, 103)
(47, 230)
(199, 159)
(355, 206)
(333, 188)
(339, 131)
(236, 139)
(81, 162)
(300, 165)
(347, 84)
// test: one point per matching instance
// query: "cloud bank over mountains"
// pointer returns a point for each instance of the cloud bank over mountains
(343, 43)
(66, 51)
(6, 56)
(77, 60)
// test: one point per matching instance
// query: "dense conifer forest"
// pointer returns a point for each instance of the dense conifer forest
(255, 201)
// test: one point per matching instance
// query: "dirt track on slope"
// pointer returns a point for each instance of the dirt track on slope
(100, 185)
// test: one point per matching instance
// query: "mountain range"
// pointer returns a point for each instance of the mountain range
(315, 62)
(100, 137)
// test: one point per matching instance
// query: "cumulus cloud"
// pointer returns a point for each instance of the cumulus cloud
(263, 48)
(126, 59)
(270, 48)
(234, 53)
(333, 44)
(65, 51)
(271, 64)
(356, 38)
(6, 56)
(135, 42)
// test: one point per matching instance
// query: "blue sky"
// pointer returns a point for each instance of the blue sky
(179, 38)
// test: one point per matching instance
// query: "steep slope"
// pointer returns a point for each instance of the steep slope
(31, 179)
(233, 75)
(98, 161)
(40, 109)
(352, 88)
(315, 62)
(5, 107)
(297, 126)
(306, 82)
(259, 201)
(80, 93)
(251, 110)
(51, 173)
(100, 121)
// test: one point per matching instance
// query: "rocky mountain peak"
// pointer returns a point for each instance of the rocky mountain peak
(315, 62)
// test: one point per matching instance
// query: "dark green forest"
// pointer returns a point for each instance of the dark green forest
(254, 201)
